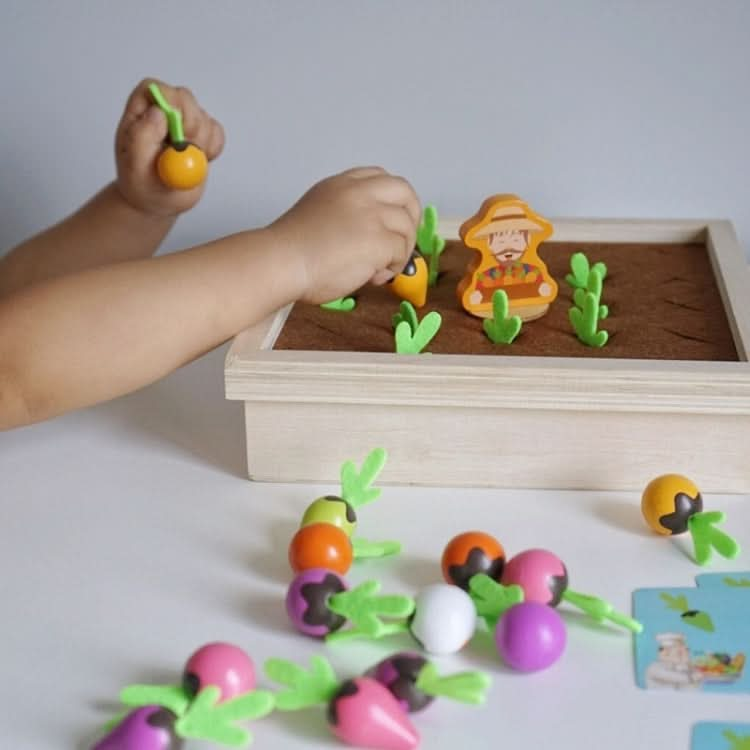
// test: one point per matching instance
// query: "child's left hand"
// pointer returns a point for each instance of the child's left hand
(140, 139)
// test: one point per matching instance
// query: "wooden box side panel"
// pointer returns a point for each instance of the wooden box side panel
(733, 279)
(524, 448)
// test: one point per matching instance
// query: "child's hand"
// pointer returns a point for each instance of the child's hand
(349, 229)
(140, 139)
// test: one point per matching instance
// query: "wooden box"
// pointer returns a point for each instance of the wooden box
(588, 422)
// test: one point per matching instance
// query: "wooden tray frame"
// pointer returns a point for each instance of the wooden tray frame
(527, 422)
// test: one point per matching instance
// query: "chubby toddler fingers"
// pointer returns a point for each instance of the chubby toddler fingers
(196, 123)
(397, 191)
(402, 236)
(382, 277)
(216, 139)
(141, 141)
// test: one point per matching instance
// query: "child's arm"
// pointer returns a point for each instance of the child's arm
(130, 217)
(90, 336)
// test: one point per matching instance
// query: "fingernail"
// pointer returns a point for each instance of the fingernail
(154, 115)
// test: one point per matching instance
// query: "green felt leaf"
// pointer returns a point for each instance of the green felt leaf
(364, 549)
(303, 688)
(209, 719)
(407, 313)
(404, 338)
(698, 619)
(593, 286)
(364, 608)
(172, 697)
(737, 582)
(678, 603)
(466, 687)
(356, 486)
(582, 269)
(601, 269)
(491, 598)
(585, 321)
(579, 265)
(414, 343)
(342, 304)
(427, 230)
(433, 266)
(600, 610)
(603, 312)
(501, 329)
(707, 538)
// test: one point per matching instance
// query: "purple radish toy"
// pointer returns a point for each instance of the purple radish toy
(415, 683)
(147, 728)
(530, 636)
(319, 604)
(307, 602)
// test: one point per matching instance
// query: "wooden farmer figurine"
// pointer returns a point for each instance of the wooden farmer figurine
(507, 233)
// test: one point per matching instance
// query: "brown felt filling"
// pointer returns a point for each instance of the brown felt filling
(663, 301)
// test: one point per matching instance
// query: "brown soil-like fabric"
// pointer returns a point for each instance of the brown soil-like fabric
(663, 304)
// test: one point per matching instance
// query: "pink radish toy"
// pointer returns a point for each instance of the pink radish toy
(544, 579)
(226, 666)
(217, 692)
(361, 712)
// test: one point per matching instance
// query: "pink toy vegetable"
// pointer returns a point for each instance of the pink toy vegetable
(223, 665)
(361, 712)
(217, 693)
(544, 579)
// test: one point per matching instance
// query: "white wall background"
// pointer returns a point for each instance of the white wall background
(584, 107)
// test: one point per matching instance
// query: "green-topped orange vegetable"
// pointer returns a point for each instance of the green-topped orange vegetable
(182, 165)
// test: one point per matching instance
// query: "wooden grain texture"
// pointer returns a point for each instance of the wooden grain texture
(733, 280)
(459, 420)
(525, 448)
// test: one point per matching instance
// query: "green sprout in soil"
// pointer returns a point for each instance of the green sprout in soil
(588, 311)
(430, 243)
(580, 267)
(406, 312)
(342, 304)
(500, 328)
(413, 335)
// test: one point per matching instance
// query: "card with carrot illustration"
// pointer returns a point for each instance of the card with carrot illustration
(693, 639)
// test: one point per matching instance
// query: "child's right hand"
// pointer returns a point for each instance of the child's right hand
(140, 139)
(356, 227)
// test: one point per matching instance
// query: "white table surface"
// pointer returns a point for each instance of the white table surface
(130, 536)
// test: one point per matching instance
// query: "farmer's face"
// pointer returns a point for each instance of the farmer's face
(509, 245)
(675, 654)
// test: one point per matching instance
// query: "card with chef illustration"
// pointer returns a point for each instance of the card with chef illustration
(739, 581)
(693, 639)
(720, 735)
